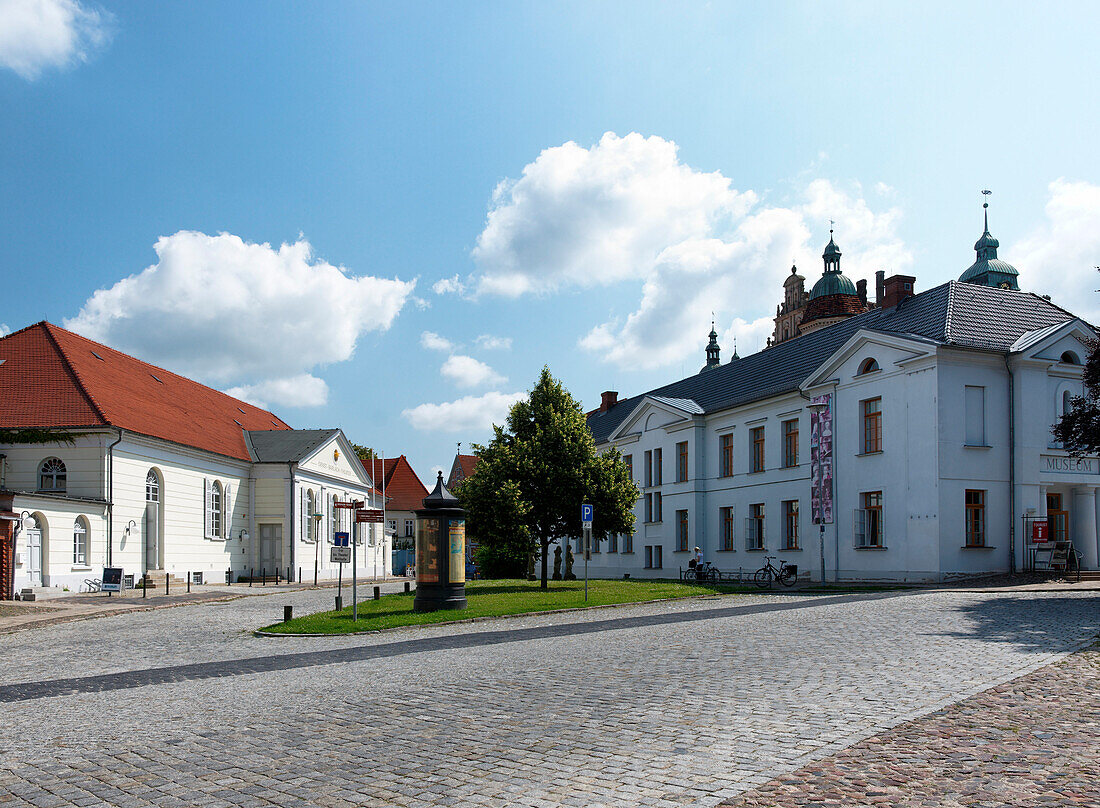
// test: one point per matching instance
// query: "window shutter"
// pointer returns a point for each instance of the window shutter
(227, 512)
(302, 534)
(206, 504)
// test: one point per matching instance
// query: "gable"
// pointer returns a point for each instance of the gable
(335, 458)
(652, 413)
(887, 350)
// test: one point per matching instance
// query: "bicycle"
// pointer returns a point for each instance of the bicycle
(707, 572)
(785, 573)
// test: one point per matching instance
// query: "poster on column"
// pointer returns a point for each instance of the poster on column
(427, 551)
(821, 460)
(457, 540)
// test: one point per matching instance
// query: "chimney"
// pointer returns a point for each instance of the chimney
(898, 287)
(861, 290)
(608, 399)
(880, 287)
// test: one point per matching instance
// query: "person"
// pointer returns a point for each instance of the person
(697, 562)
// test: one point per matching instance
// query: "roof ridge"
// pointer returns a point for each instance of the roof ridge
(158, 368)
(48, 328)
(947, 314)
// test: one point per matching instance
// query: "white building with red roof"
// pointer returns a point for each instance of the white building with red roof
(111, 461)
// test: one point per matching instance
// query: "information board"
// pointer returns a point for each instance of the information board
(112, 579)
(340, 554)
(456, 535)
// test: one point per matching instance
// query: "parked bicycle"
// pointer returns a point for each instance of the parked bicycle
(707, 572)
(785, 573)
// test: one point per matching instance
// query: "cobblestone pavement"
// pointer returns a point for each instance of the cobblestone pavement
(1032, 742)
(636, 713)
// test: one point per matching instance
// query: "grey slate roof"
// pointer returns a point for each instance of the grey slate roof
(685, 404)
(285, 445)
(954, 313)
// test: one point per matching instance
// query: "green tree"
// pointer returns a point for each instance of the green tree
(538, 469)
(1079, 429)
(365, 453)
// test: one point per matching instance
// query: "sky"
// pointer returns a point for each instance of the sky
(389, 217)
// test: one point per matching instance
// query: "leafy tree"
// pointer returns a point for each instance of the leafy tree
(532, 477)
(36, 435)
(1079, 429)
(365, 453)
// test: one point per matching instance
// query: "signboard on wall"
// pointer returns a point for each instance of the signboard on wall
(1069, 465)
(821, 460)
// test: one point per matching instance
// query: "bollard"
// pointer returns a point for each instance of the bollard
(299, 574)
(288, 613)
(189, 582)
(339, 602)
(144, 584)
(289, 574)
(229, 576)
(276, 576)
(167, 579)
(251, 575)
(263, 576)
(377, 592)
(407, 587)
(315, 573)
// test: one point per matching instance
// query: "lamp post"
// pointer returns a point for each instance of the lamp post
(819, 408)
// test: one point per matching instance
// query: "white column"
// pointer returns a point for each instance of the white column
(1083, 527)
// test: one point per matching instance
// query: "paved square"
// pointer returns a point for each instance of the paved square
(649, 707)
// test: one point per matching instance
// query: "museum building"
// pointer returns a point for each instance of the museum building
(137, 467)
(918, 424)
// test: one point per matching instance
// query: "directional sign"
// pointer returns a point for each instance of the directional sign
(340, 555)
(350, 505)
(586, 516)
(340, 539)
(368, 515)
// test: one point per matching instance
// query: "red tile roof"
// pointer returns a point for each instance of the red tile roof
(462, 468)
(840, 305)
(404, 491)
(50, 377)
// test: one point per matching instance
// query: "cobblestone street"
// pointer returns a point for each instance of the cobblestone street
(689, 703)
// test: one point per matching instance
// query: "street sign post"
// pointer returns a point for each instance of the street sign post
(350, 505)
(587, 511)
(369, 515)
(340, 554)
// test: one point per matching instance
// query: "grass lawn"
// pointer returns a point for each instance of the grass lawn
(487, 599)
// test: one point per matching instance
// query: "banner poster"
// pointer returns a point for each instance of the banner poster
(457, 535)
(821, 460)
(427, 551)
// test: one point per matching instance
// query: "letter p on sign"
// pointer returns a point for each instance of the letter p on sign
(586, 516)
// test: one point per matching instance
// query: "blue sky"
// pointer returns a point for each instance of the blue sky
(447, 168)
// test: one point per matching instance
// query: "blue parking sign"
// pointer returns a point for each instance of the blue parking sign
(586, 515)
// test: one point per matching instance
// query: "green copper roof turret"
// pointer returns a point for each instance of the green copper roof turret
(988, 269)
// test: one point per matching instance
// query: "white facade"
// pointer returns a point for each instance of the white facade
(181, 510)
(947, 429)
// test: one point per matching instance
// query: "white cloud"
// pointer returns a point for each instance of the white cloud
(433, 342)
(465, 371)
(4, 330)
(468, 414)
(450, 285)
(1059, 257)
(303, 390)
(234, 313)
(627, 209)
(488, 342)
(39, 34)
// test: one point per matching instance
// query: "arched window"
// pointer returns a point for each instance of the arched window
(216, 510)
(868, 365)
(51, 475)
(1070, 358)
(80, 541)
(335, 516)
(311, 528)
(1067, 402)
(152, 487)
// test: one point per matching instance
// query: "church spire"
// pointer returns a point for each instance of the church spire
(712, 348)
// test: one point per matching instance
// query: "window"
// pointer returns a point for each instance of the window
(754, 527)
(974, 405)
(80, 542)
(612, 542)
(725, 516)
(334, 516)
(649, 507)
(311, 528)
(872, 425)
(629, 460)
(392, 525)
(975, 518)
(682, 462)
(790, 443)
(658, 510)
(1070, 358)
(658, 473)
(757, 448)
(726, 455)
(51, 475)
(152, 487)
(868, 365)
(216, 510)
(653, 554)
(790, 524)
(649, 556)
(869, 520)
(628, 542)
(409, 524)
(681, 530)
(648, 469)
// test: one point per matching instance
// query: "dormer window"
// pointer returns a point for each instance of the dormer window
(868, 365)
(1070, 358)
(52, 475)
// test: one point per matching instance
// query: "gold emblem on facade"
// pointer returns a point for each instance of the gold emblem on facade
(335, 455)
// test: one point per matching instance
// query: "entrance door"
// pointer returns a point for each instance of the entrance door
(271, 547)
(34, 556)
(1057, 519)
(152, 536)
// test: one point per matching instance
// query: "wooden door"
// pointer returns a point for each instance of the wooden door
(271, 546)
(1057, 519)
(34, 557)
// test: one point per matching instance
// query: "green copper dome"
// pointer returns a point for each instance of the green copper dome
(832, 283)
(988, 269)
